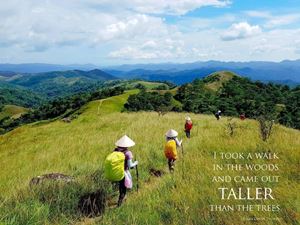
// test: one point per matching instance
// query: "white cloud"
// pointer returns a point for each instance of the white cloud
(274, 20)
(282, 20)
(240, 31)
(149, 45)
(160, 49)
(38, 26)
(98, 30)
(177, 7)
(133, 27)
(171, 7)
(258, 14)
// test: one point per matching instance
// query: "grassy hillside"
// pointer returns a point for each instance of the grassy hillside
(12, 111)
(215, 80)
(80, 147)
(148, 85)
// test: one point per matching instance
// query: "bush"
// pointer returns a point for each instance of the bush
(265, 127)
(149, 101)
(161, 87)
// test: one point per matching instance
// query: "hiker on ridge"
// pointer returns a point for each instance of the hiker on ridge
(171, 148)
(242, 116)
(218, 115)
(188, 126)
(117, 165)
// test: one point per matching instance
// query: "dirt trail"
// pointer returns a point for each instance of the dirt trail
(100, 104)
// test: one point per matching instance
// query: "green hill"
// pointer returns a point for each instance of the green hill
(216, 80)
(15, 95)
(79, 149)
(12, 111)
(59, 83)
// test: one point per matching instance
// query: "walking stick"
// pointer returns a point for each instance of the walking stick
(182, 160)
(137, 178)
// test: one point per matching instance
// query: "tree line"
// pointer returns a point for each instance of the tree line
(237, 96)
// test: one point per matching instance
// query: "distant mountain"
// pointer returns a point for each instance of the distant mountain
(178, 77)
(43, 67)
(7, 74)
(183, 73)
(58, 83)
(65, 77)
(285, 72)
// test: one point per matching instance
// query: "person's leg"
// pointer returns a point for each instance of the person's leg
(122, 191)
(188, 134)
(171, 165)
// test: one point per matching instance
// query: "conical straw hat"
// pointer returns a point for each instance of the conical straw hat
(188, 118)
(171, 133)
(125, 142)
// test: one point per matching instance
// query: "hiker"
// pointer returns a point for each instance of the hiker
(117, 165)
(171, 148)
(188, 126)
(242, 116)
(218, 115)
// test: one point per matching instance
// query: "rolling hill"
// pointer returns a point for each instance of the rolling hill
(20, 96)
(12, 111)
(58, 83)
(79, 149)
(216, 80)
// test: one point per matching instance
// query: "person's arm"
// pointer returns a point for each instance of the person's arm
(131, 164)
(178, 143)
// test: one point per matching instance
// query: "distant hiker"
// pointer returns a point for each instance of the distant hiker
(188, 126)
(218, 114)
(242, 116)
(171, 148)
(117, 165)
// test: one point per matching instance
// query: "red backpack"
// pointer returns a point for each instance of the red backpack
(188, 126)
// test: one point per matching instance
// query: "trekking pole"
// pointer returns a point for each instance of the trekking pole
(137, 178)
(182, 160)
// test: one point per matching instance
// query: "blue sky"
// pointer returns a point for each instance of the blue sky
(108, 32)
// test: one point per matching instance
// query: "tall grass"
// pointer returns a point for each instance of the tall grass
(79, 149)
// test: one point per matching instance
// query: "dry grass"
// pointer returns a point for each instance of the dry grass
(12, 111)
(224, 76)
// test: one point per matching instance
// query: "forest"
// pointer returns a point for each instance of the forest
(236, 96)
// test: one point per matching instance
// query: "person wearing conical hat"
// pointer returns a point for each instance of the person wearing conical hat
(171, 147)
(188, 126)
(122, 145)
(218, 114)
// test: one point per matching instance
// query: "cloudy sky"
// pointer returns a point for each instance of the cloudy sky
(106, 32)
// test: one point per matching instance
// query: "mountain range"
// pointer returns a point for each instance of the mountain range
(284, 72)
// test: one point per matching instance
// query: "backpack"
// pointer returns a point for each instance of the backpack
(188, 126)
(170, 150)
(114, 166)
